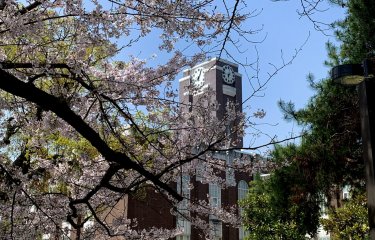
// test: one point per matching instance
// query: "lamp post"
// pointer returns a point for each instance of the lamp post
(362, 75)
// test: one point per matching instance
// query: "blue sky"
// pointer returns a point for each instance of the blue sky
(287, 31)
(284, 31)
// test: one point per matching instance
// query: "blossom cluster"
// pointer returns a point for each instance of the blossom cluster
(84, 130)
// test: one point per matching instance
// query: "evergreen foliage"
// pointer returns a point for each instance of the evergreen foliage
(356, 32)
(268, 215)
(329, 155)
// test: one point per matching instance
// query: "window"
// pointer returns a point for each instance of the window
(183, 189)
(216, 229)
(183, 208)
(229, 171)
(215, 195)
(199, 170)
(242, 191)
(215, 201)
(184, 224)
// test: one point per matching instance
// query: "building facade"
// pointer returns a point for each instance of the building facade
(221, 77)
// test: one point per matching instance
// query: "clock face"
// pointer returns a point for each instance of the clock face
(198, 77)
(228, 74)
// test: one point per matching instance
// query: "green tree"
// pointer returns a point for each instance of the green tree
(272, 212)
(71, 141)
(332, 146)
(348, 222)
(331, 149)
(330, 152)
(356, 32)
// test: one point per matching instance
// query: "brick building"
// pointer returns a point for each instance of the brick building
(153, 210)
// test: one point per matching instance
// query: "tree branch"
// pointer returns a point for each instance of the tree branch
(48, 102)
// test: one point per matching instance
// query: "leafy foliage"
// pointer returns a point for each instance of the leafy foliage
(349, 222)
(274, 209)
(330, 153)
(72, 137)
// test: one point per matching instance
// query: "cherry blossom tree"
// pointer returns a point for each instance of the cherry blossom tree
(80, 130)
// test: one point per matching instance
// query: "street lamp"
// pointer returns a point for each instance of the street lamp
(348, 74)
(362, 75)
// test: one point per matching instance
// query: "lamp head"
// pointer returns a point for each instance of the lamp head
(348, 74)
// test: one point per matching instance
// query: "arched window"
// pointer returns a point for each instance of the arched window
(242, 190)
(182, 222)
(214, 191)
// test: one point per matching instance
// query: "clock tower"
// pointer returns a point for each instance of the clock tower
(218, 75)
